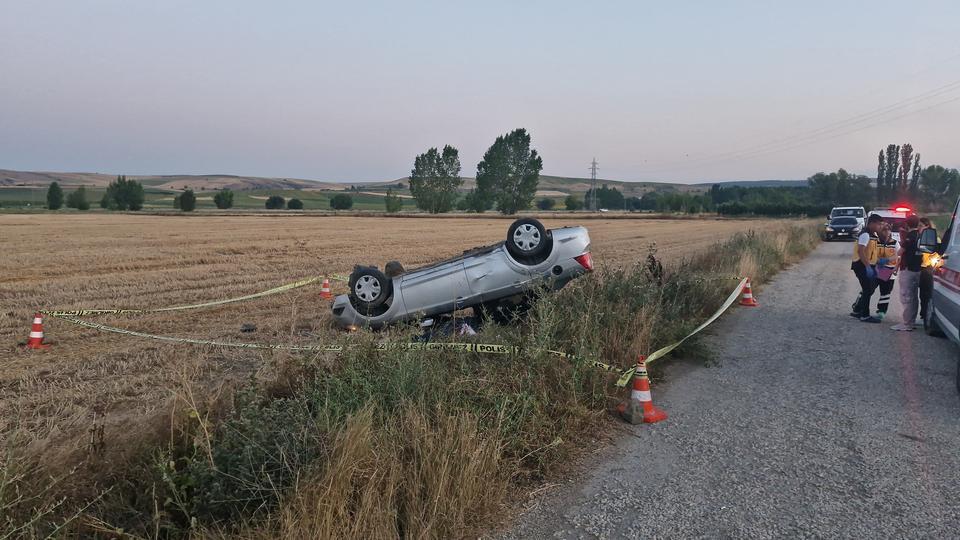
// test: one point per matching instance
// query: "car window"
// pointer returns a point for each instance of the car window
(853, 212)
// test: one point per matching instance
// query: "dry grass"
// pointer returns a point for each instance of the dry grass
(92, 379)
(99, 401)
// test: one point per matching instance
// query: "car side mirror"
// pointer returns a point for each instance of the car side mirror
(928, 241)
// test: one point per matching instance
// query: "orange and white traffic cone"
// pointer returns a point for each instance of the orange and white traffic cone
(36, 334)
(747, 299)
(639, 407)
(325, 290)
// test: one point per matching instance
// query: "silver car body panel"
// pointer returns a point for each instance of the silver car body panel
(480, 275)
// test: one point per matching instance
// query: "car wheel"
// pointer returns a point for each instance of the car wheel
(369, 289)
(528, 241)
(930, 325)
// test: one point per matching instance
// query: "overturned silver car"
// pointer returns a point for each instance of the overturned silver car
(497, 280)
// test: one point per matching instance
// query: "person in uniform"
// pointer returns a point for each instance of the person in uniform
(864, 268)
(887, 248)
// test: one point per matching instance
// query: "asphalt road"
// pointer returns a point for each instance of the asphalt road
(812, 424)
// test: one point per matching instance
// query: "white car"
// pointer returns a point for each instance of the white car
(850, 211)
(896, 217)
(496, 279)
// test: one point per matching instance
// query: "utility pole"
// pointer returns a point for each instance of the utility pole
(593, 183)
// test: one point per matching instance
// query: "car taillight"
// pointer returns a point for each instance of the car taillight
(585, 260)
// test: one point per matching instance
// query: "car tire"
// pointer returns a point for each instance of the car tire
(369, 289)
(528, 241)
(930, 325)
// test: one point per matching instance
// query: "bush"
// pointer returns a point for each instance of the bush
(546, 204)
(123, 194)
(78, 199)
(185, 201)
(223, 199)
(294, 204)
(392, 202)
(573, 203)
(341, 201)
(54, 196)
(275, 202)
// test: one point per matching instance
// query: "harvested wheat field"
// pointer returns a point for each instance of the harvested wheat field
(96, 389)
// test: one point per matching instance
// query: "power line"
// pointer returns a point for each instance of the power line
(804, 141)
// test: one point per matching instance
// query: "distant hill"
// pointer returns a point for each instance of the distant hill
(562, 185)
(756, 183)
(172, 182)
(550, 186)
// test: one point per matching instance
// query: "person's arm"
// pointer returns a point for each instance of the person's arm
(862, 253)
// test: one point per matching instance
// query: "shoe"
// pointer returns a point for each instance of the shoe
(902, 327)
(869, 319)
(855, 314)
(880, 315)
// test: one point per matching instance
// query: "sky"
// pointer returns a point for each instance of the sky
(688, 91)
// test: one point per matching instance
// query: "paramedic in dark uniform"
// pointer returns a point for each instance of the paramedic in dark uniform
(863, 266)
(926, 272)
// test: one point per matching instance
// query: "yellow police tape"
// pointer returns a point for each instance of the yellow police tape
(268, 292)
(659, 353)
(484, 348)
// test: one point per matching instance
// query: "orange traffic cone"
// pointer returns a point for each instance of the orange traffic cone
(36, 334)
(748, 299)
(639, 407)
(325, 290)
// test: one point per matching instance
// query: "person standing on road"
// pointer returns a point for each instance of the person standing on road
(863, 266)
(910, 261)
(887, 248)
(926, 272)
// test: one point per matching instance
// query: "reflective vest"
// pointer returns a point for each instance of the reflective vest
(886, 250)
(871, 250)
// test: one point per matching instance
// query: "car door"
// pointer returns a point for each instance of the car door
(946, 290)
(437, 289)
(494, 275)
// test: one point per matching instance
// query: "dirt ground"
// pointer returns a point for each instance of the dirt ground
(53, 400)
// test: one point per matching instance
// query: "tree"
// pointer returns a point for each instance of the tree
(546, 203)
(223, 199)
(54, 196)
(915, 177)
(606, 197)
(392, 202)
(890, 172)
(508, 173)
(881, 172)
(78, 199)
(435, 179)
(475, 201)
(651, 199)
(903, 173)
(275, 202)
(123, 194)
(186, 201)
(839, 188)
(573, 203)
(939, 185)
(294, 204)
(341, 201)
